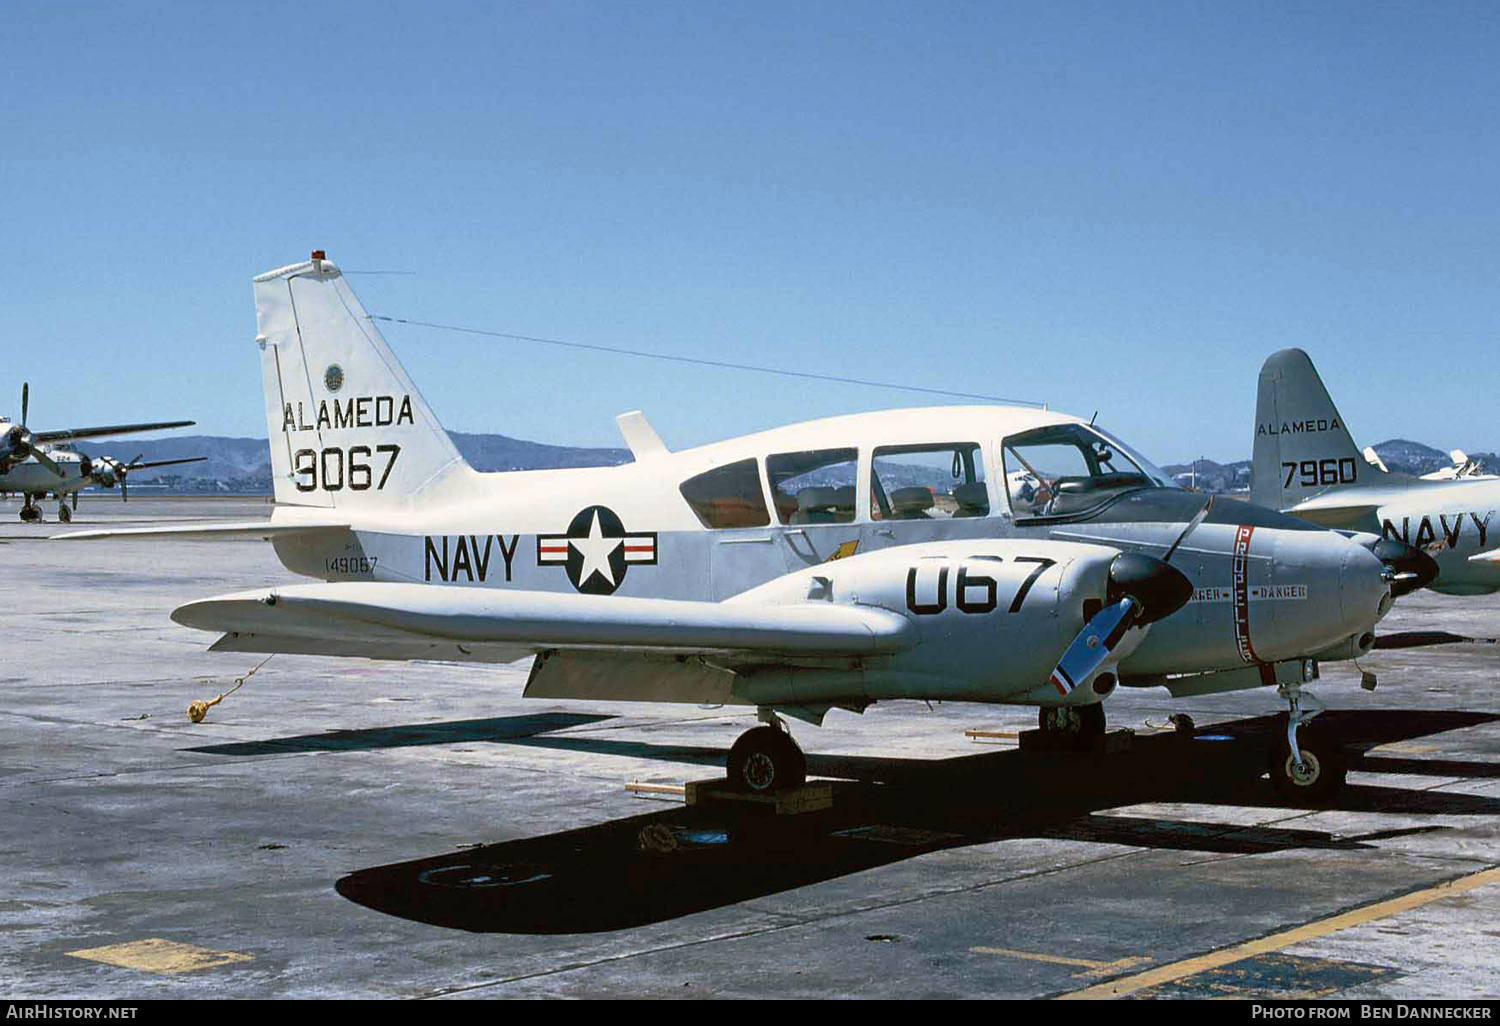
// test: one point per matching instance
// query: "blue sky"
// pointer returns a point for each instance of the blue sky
(1107, 206)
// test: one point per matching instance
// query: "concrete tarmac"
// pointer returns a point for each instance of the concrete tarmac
(340, 828)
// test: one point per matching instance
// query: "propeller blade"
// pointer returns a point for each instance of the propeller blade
(47, 462)
(25, 400)
(1191, 527)
(1142, 590)
(1093, 646)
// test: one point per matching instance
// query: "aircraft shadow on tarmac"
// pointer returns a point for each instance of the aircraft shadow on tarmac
(663, 865)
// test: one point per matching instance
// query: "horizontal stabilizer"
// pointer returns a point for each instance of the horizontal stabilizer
(390, 615)
(1347, 516)
(208, 532)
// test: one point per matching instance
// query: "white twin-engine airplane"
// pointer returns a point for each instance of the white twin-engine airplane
(1305, 462)
(987, 554)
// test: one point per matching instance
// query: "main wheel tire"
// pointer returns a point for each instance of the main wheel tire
(766, 760)
(1080, 723)
(1324, 768)
(64, 515)
(31, 515)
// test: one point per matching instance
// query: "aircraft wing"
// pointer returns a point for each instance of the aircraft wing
(1488, 556)
(69, 434)
(421, 621)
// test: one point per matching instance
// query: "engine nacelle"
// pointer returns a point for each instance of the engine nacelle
(106, 472)
(993, 618)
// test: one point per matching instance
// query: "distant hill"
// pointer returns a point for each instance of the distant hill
(243, 465)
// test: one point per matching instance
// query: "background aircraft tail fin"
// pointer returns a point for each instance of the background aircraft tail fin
(348, 428)
(1302, 447)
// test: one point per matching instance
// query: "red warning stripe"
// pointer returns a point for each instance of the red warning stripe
(1240, 574)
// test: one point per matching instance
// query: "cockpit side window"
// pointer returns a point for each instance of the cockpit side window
(1066, 470)
(928, 482)
(813, 487)
(728, 496)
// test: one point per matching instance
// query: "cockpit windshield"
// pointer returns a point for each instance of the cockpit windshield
(1069, 469)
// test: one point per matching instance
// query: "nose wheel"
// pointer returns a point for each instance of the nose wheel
(1309, 764)
(766, 760)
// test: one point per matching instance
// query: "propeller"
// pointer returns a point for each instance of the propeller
(125, 476)
(108, 471)
(1411, 568)
(17, 440)
(1142, 590)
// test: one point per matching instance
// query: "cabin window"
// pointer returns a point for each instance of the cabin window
(815, 487)
(1068, 469)
(928, 482)
(728, 496)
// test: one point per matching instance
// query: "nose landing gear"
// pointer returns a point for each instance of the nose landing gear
(1310, 765)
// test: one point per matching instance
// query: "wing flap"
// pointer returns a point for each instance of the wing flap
(629, 677)
(382, 614)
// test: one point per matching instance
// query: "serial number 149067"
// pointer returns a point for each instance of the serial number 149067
(351, 564)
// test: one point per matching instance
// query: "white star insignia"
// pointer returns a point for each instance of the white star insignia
(596, 550)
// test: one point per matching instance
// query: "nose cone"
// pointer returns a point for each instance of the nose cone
(1340, 589)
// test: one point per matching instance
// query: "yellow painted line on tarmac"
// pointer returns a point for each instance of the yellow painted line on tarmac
(1090, 967)
(155, 955)
(1214, 960)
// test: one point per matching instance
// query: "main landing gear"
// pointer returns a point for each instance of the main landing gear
(1071, 726)
(30, 513)
(1309, 765)
(766, 760)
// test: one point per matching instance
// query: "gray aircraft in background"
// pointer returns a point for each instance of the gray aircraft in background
(1306, 463)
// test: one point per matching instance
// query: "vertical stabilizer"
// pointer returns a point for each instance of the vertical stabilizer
(348, 429)
(1302, 447)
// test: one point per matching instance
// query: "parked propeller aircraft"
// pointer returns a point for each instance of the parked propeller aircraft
(39, 463)
(74, 472)
(1305, 463)
(988, 554)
